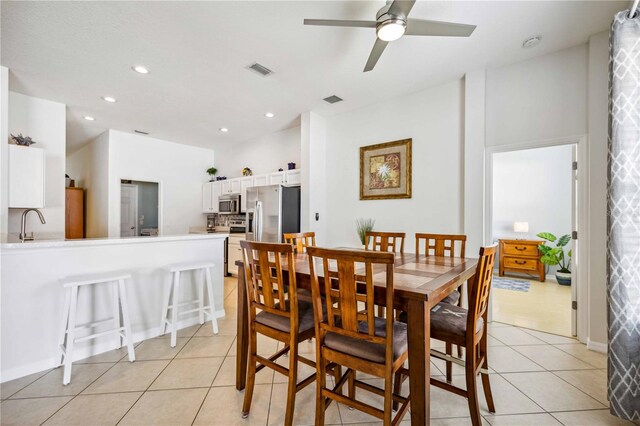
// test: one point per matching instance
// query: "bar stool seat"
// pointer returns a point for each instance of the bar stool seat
(122, 326)
(172, 293)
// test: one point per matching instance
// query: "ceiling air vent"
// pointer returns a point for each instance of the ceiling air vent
(260, 69)
(140, 132)
(333, 99)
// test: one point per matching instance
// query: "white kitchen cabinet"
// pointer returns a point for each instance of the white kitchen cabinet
(26, 177)
(293, 177)
(235, 186)
(225, 186)
(245, 183)
(261, 180)
(235, 252)
(210, 194)
(277, 178)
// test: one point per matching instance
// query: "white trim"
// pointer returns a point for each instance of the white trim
(580, 276)
(105, 345)
(597, 346)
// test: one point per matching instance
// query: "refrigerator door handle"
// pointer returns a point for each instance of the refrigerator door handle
(258, 221)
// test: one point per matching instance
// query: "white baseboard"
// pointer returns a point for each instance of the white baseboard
(597, 346)
(100, 346)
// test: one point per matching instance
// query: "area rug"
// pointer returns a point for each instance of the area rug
(510, 284)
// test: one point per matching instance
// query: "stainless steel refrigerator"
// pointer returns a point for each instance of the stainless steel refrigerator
(272, 211)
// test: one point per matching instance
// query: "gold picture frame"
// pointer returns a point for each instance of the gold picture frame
(391, 174)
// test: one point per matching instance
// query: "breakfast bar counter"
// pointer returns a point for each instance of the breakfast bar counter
(32, 298)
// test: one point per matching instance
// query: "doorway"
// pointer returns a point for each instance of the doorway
(534, 195)
(139, 208)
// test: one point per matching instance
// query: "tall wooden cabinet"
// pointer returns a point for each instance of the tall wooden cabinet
(74, 213)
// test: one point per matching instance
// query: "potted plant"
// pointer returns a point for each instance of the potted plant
(362, 227)
(555, 256)
(211, 171)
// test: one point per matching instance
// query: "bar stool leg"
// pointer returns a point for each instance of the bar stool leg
(126, 320)
(165, 305)
(116, 310)
(63, 328)
(200, 284)
(174, 310)
(212, 306)
(71, 332)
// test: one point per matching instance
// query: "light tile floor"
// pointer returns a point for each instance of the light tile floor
(537, 379)
(545, 307)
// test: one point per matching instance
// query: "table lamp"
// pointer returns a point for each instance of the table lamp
(521, 228)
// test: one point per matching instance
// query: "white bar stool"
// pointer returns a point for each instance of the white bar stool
(122, 327)
(173, 292)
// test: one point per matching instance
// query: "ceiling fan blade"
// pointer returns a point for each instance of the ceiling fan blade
(376, 52)
(420, 27)
(340, 23)
(401, 7)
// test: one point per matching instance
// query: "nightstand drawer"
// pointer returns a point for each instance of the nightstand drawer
(519, 263)
(521, 249)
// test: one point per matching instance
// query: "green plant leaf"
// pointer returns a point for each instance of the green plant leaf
(549, 259)
(569, 254)
(564, 240)
(547, 236)
(544, 249)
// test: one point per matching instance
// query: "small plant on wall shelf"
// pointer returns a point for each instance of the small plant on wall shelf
(362, 227)
(22, 140)
(555, 256)
(212, 171)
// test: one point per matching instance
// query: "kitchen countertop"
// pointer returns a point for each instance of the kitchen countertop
(14, 243)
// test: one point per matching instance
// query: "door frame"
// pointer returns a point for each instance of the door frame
(580, 274)
(160, 198)
(135, 216)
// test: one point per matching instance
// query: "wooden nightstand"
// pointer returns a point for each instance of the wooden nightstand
(521, 256)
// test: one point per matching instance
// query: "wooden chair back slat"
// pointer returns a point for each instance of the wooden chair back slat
(264, 278)
(479, 299)
(441, 244)
(344, 288)
(301, 240)
(385, 241)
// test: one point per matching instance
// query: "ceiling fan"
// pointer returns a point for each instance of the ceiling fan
(392, 22)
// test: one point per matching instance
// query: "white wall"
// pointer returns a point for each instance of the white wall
(45, 122)
(179, 169)
(262, 155)
(89, 166)
(534, 186)
(4, 150)
(542, 98)
(314, 176)
(434, 120)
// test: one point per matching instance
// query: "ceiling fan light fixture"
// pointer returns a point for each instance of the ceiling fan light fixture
(391, 29)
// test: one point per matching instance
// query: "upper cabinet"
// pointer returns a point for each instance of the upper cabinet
(210, 194)
(277, 177)
(26, 177)
(293, 177)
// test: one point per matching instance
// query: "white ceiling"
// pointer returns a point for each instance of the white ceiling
(75, 52)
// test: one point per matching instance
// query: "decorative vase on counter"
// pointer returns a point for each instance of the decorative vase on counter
(291, 165)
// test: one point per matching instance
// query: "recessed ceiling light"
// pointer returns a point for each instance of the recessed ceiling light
(88, 117)
(531, 42)
(109, 99)
(223, 129)
(140, 69)
(269, 115)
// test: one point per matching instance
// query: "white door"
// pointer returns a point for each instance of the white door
(574, 244)
(128, 210)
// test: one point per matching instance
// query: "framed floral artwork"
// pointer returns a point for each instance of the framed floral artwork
(385, 170)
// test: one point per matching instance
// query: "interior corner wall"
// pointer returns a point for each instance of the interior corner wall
(598, 104)
(313, 165)
(4, 151)
(433, 118)
(89, 167)
(179, 169)
(265, 154)
(45, 122)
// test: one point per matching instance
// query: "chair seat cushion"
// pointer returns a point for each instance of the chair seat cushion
(452, 298)
(449, 323)
(366, 350)
(305, 318)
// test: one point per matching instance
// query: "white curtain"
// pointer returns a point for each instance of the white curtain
(623, 260)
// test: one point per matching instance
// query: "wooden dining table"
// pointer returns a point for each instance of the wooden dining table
(419, 283)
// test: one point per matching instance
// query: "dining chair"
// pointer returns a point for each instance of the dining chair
(385, 241)
(301, 240)
(457, 326)
(274, 311)
(350, 335)
(443, 245)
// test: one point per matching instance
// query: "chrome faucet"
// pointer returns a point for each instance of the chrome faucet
(23, 225)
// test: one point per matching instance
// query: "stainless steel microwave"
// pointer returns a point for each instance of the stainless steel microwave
(229, 204)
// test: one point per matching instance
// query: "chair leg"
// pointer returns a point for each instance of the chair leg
(212, 306)
(71, 335)
(165, 304)
(486, 385)
(448, 363)
(352, 384)
(291, 388)
(200, 285)
(397, 386)
(63, 328)
(124, 304)
(472, 389)
(337, 374)
(251, 372)
(116, 311)
(388, 398)
(321, 380)
(174, 310)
